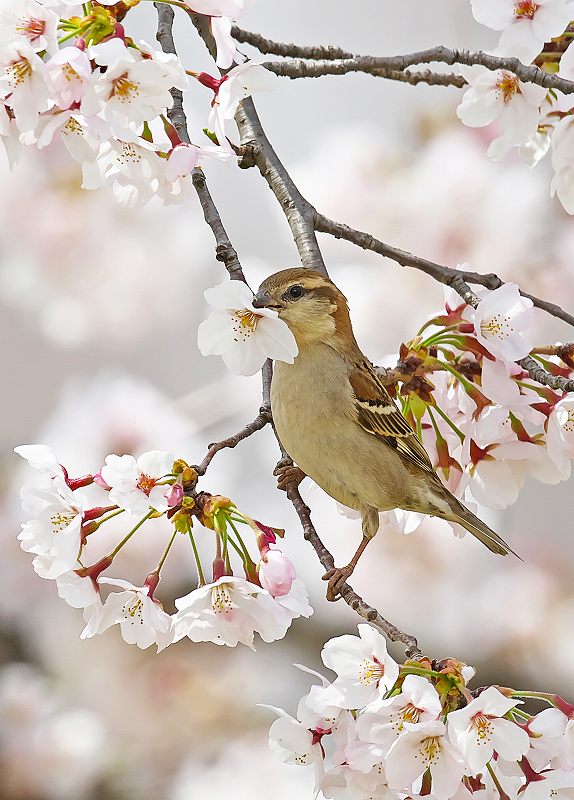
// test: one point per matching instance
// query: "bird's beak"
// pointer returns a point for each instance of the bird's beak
(263, 300)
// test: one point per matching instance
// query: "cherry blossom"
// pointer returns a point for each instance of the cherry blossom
(228, 612)
(526, 25)
(54, 533)
(324, 719)
(133, 89)
(502, 322)
(68, 73)
(384, 720)
(352, 785)
(495, 474)
(239, 83)
(185, 157)
(243, 336)
(478, 730)
(425, 747)
(134, 483)
(227, 51)
(81, 135)
(501, 96)
(547, 740)
(23, 84)
(498, 386)
(364, 668)
(141, 618)
(76, 591)
(30, 22)
(295, 603)
(131, 168)
(557, 784)
(40, 457)
(291, 742)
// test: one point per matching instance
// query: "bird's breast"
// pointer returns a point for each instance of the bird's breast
(310, 401)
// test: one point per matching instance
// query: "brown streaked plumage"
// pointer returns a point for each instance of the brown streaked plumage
(338, 422)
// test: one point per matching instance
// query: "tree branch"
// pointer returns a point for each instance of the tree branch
(281, 49)
(224, 250)
(350, 597)
(260, 421)
(338, 61)
(439, 272)
(536, 372)
(299, 212)
(257, 151)
(298, 68)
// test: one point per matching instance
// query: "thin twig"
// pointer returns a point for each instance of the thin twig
(334, 60)
(224, 250)
(282, 49)
(298, 68)
(350, 597)
(260, 421)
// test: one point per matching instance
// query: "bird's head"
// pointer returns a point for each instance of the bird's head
(311, 305)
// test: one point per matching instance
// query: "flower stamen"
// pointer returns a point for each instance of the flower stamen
(221, 599)
(145, 483)
(124, 89)
(507, 85)
(525, 9)
(370, 671)
(32, 28)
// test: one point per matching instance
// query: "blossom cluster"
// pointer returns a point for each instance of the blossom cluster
(380, 731)
(69, 71)
(63, 521)
(486, 424)
(530, 118)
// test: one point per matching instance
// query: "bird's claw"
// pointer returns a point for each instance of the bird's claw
(337, 577)
(288, 475)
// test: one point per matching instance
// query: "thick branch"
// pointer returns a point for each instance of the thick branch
(299, 212)
(258, 151)
(347, 593)
(298, 68)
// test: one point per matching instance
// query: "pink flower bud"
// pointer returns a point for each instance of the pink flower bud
(276, 573)
(101, 482)
(174, 495)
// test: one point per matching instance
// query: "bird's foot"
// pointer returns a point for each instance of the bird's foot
(337, 577)
(288, 475)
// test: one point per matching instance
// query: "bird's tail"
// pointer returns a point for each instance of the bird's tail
(477, 527)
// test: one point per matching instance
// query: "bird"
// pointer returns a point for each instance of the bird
(339, 425)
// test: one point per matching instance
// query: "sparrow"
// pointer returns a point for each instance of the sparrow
(336, 420)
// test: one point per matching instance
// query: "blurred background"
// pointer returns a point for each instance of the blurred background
(99, 311)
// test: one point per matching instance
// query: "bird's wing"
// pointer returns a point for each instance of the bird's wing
(378, 415)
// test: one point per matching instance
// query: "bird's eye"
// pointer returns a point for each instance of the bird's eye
(295, 292)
